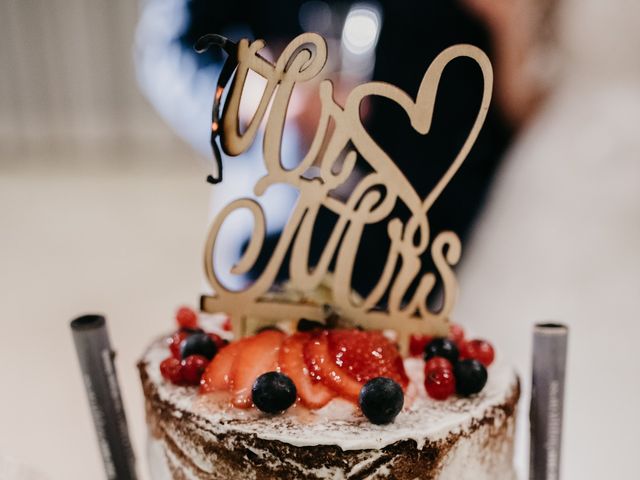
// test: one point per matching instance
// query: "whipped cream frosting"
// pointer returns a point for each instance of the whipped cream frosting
(340, 422)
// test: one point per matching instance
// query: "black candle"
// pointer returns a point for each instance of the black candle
(101, 383)
(547, 400)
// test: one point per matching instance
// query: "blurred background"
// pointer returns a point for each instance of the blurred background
(104, 151)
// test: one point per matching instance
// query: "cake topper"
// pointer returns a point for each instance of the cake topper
(340, 139)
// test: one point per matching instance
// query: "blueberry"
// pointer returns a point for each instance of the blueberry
(198, 344)
(268, 328)
(471, 377)
(273, 392)
(305, 325)
(381, 399)
(191, 331)
(441, 347)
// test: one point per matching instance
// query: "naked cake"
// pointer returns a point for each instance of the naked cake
(195, 435)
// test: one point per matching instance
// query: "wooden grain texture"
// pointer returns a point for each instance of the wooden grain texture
(339, 139)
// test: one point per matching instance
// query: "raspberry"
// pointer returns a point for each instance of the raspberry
(171, 370)
(479, 350)
(187, 318)
(440, 383)
(192, 369)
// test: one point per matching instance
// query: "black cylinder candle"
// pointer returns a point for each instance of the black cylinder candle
(547, 400)
(101, 383)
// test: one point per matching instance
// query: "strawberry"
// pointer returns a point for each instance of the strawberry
(259, 355)
(366, 355)
(323, 368)
(292, 364)
(218, 374)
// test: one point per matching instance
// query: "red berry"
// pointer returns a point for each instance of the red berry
(218, 340)
(259, 355)
(417, 342)
(323, 368)
(192, 369)
(292, 363)
(479, 350)
(440, 383)
(366, 355)
(217, 376)
(456, 333)
(226, 326)
(187, 318)
(175, 341)
(171, 370)
(437, 363)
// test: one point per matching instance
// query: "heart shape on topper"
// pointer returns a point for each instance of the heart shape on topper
(302, 60)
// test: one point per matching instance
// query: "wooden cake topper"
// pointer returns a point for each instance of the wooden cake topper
(339, 139)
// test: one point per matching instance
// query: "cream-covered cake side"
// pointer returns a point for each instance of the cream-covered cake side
(201, 437)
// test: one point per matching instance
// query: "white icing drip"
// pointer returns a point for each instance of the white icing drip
(340, 423)
(364, 464)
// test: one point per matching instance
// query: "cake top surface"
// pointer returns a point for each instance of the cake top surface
(340, 422)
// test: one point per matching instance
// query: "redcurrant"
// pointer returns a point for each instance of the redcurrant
(417, 342)
(480, 350)
(456, 333)
(175, 341)
(440, 384)
(192, 369)
(437, 363)
(187, 318)
(171, 370)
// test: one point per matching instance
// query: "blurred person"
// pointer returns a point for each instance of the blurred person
(559, 239)
(407, 36)
(521, 33)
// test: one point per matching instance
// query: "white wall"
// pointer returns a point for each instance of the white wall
(67, 82)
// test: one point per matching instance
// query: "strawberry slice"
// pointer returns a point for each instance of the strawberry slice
(323, 368)
(218, 373)
(257, 356)
(292, 363)
(367, 354)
